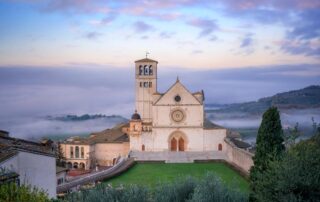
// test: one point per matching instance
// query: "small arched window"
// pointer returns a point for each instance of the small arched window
(140, 70)
(82, 152)
(220, 147)
(150, 70)
(71, 152)
(150, 84)
(146, 70)
(77, 152)
(143, 147)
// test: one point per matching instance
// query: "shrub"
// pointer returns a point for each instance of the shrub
(178, 191)
(10, 192)
(132, 193)
(211, 188)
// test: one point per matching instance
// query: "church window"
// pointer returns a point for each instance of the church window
(71, 152)
(220, 147)
(143, 147)
(150, 70)
(177, 98)
(140, 70)
(82, 152)
(77, 152)
(146, 70)
(141, 84)
(150, 84)
(146, 84)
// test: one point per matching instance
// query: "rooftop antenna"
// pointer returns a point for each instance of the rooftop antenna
(147, 53)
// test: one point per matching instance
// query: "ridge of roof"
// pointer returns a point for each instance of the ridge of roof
(146, 60)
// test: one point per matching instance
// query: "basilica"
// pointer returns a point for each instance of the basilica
(166, 126)
(170, 121)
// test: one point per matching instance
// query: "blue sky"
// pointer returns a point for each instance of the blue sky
(77, 56)
(197, 34)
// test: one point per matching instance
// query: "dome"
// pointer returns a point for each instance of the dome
(135, 116)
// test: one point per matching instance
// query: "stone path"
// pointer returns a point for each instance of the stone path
(120, 167)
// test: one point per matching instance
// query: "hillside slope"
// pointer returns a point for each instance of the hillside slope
(305, 98)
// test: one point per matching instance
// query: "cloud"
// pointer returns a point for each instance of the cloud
(75, 6)
(141, 27)
(197, 52)
(246, 41)
(104, 21)
(166, 35)
(207, 26)
(247, 44)
(300, 48)
(307, 26)
(92, 35)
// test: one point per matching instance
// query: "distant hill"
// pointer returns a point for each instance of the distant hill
(305, 98)
(84, 117)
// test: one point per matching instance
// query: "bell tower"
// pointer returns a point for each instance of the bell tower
(145, 87)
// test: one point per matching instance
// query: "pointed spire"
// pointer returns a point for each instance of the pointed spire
(177, 79)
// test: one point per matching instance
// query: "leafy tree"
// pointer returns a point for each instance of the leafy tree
(269, 146)
(295, 177)
(291, 136)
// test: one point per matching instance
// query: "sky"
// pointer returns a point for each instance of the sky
(77, 56)
(195, 34)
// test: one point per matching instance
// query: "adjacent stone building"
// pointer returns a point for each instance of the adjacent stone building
(101, 148)
(32, 163)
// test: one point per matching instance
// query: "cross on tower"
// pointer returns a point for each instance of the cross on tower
(147, 53)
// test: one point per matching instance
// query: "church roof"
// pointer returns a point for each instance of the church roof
(113, 135)
(146, 60)
(209, 125)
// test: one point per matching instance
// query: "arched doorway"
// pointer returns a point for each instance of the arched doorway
(69, 165)
(220, 147)
(181, 144)
(82, 166)
(173, 144)
(75, 165)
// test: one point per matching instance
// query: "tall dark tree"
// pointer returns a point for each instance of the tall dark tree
(295, 177)
(269, 146)
(60, 159)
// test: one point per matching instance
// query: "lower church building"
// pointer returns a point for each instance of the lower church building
(163, 124)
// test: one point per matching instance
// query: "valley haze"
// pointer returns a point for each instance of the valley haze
(29, 94)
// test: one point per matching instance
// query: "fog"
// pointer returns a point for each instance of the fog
(29, 93)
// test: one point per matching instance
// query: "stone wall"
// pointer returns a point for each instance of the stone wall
(241, 158)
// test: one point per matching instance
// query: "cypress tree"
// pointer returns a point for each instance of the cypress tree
(269, 146)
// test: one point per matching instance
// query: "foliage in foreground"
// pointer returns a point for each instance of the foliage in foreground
(210, 188)
(10, 192)
(269, 147)
(295, 177)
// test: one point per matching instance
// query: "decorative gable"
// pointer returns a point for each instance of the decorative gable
(178, 94)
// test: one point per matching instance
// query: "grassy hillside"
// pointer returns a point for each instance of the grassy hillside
(305, 98)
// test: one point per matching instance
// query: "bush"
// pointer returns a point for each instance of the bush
(104, 193)
(179, 191)
(211, 188)
(10, 192)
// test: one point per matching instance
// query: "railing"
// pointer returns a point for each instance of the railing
(100, 175)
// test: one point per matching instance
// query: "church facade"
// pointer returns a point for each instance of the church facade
(170, 121)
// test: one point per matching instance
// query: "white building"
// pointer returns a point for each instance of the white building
(33, 163)
(170, 121)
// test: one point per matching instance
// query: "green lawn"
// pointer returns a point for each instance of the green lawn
(152, 173)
